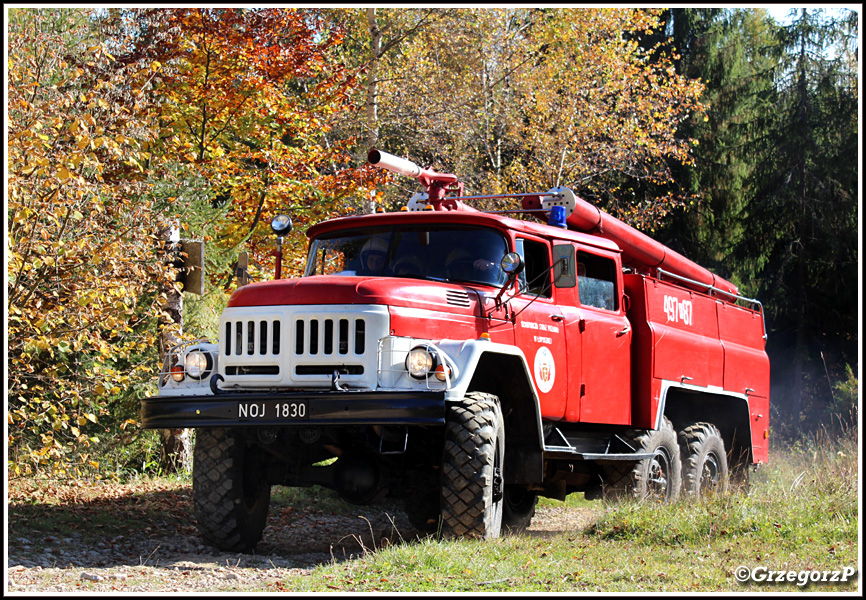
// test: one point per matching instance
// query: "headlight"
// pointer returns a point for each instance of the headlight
(420, 362)
(197, 364)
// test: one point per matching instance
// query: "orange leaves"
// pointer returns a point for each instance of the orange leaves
(600, 109)
(246, 104)
(521, 99)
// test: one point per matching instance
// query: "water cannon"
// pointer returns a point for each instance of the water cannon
(437, 184)
(638, 249)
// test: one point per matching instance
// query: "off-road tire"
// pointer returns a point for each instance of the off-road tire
(518, 508)
(230, 493)
(472, 459)
(423, 511)
(656, 478)
(705, 462)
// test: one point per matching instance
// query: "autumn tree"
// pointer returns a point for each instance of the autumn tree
(123, 123)
(246, 100)
(83, 275)
(517, 99)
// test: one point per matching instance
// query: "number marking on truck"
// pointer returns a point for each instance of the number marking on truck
(678, 311)
(272, 409)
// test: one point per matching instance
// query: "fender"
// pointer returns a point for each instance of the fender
(468, 354)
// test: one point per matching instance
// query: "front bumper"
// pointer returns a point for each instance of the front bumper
(262, 409)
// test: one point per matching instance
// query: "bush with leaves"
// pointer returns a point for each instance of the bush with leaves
(83, 266)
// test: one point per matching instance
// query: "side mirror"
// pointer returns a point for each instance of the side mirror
(281, 225)
(563, 259)
(512, 265)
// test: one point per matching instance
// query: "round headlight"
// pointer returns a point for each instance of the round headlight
(197, 364)
(419, 362)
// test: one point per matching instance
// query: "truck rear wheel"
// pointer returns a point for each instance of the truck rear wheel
(705, 463)
(471, 483)
(658, 477)
(230, 492)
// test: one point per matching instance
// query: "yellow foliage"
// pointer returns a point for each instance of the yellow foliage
(69, 200)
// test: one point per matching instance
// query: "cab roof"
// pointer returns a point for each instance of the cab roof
(440, 217)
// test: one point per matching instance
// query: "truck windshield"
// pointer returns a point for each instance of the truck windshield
(439, 253)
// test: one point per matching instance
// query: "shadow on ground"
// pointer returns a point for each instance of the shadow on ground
(105, 525)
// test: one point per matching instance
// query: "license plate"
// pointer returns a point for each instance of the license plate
(289, 410)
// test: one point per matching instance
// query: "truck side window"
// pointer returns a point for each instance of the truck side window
(535, 278)
(596, 281)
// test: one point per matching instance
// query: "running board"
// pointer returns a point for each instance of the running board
(587, 445)
(566, 452)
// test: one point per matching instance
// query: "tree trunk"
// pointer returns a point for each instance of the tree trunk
(372, 79)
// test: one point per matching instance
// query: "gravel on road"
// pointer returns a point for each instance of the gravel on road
(168, 555)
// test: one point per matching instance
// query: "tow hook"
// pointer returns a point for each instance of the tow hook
(335, 382)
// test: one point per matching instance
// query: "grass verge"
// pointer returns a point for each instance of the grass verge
(802, 514)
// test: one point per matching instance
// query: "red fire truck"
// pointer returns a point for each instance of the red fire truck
(469, 362)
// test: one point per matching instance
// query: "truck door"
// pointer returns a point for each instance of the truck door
(605, 343)
(538, 329)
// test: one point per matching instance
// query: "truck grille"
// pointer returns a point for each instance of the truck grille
(252, 337)
(302, 346)
(330, 336)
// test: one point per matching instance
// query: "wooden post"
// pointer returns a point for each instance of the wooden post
(175, 442)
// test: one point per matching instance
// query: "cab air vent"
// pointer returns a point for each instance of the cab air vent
(457, 298)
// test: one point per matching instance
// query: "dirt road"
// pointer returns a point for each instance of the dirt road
(63, 539)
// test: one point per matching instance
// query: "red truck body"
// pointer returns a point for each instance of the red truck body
(592, 359)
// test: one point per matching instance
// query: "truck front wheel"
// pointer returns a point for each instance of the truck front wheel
(472, 484)
(230, 491)
(705, 463)
(518, 508)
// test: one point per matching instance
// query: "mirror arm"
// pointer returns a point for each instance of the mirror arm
(498, 302)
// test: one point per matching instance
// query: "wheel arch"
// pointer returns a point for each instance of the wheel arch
(506, 375)
(728, 412)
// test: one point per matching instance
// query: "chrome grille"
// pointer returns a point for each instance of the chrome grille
(301, 346)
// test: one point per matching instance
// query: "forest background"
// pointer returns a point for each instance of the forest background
(729, 137)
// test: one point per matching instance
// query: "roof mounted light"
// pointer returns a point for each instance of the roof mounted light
(281, 225)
